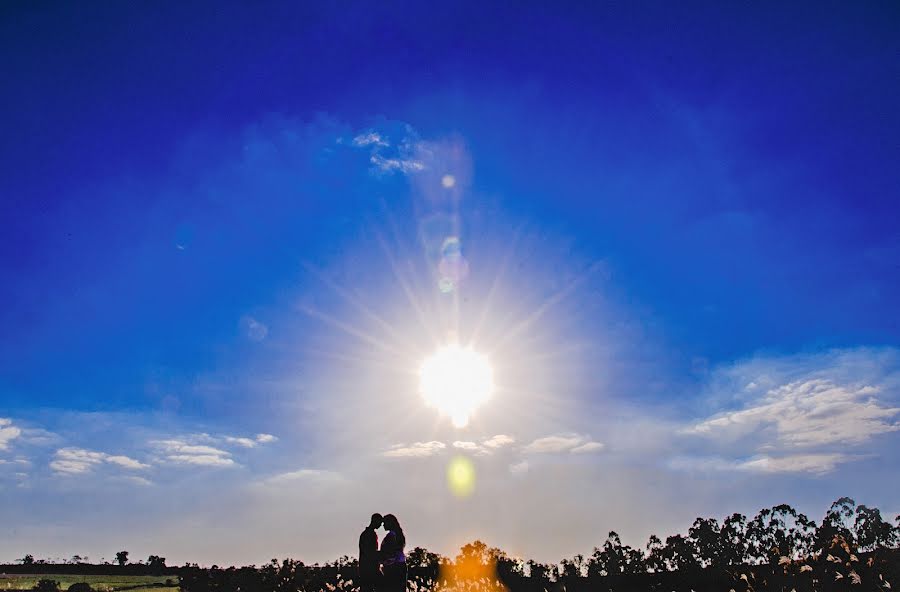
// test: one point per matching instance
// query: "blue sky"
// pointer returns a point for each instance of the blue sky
(223, 232)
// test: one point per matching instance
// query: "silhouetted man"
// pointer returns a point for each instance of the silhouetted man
(369, 568)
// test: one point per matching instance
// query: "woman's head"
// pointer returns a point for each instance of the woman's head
(391, 522)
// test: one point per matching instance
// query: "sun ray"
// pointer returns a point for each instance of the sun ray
(362, 308)
(547, 305)
(498, 277)
(348, 329)
(407, 290)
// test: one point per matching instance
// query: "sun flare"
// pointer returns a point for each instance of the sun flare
(456, 380)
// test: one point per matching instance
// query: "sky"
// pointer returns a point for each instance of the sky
(233, 232)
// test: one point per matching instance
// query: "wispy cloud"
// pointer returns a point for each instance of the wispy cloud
(401, 156)
(180, 452)
(254, 329)
(563, 443)
(799, 413)
(588, 447)
(519, 467)
(76, 461)
(415, 450)
(8, 433)
(245, 442)
(498, 441)
(808, 413)
(248, 442)
(403, 165)
(370, 138)
(303, 475)
(815, 464)
(462, 445)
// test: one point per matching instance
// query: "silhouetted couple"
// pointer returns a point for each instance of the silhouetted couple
(382, 569)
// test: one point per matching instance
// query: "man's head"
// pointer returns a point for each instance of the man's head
(376, 520)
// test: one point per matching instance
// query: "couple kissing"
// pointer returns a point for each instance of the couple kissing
(382, 569)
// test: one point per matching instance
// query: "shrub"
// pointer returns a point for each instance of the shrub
(80, 587)
(46, 585)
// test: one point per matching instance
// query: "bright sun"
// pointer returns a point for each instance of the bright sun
(456, 381)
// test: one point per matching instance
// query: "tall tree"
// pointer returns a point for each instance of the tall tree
(122, 557)
(838, 522)
(678, 553)
(734, 539)
(871, 530)
(779, 532)
(656, 561)
(706, 537)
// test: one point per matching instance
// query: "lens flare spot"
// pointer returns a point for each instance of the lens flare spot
(448, 181)
(461, 476)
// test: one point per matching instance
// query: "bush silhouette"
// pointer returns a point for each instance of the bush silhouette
(46, 585)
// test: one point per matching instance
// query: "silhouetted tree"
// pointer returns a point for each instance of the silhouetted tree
(678, 553)
(734, 539)
(508, 569)
(122, 557)
(156, 564)
(779, 532)
(706, 538)
(615, 558)
(656, 560)
(46, 585)
(27, 560)
(421, 557)
(571, 568)
(837, 522)
(538, 572)
(871, 531)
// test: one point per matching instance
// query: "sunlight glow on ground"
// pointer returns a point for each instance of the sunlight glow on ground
(456, 381)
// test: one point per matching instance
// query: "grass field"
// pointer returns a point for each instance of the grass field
(108, 583)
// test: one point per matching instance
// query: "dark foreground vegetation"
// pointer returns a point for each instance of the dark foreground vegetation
(853, 548)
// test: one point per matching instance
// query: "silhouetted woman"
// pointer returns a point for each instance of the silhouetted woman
(393, 559)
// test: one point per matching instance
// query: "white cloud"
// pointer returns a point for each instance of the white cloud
(126, 462)
(253, 329)
(8, 432)
(241, 441)
(179, 451)
(390, 165)
(466, 445)
(498, 441)
(182, 447)
(370, 137)
(562, 443)
(208, 460)
(138, 480)
(798, 463)
(415, 450)
(798, 414)
(816, 463)
(75, 461)
(807, 413)
(588, 447)
(245, 442)
(302, 475)
(519, 467)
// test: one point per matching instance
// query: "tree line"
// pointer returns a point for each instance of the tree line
(853, 547)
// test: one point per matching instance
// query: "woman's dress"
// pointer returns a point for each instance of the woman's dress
(393, 562)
